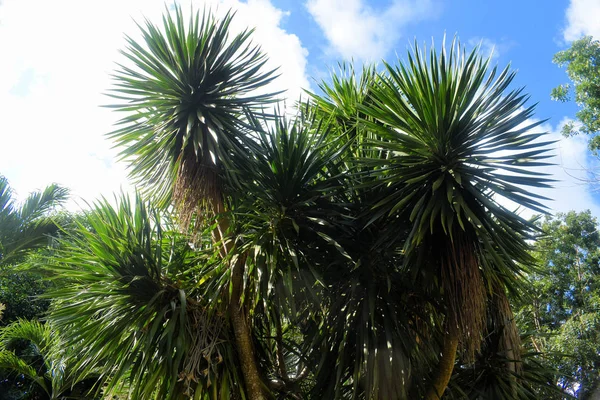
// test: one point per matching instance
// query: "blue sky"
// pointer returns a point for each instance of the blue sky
(57, 56)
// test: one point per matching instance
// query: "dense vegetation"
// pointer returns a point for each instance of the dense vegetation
(582, 62)
(356, 246)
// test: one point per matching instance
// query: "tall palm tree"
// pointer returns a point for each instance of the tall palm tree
(457, 143)
(187, 90)
(339, 253)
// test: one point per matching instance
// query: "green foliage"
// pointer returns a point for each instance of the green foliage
(45, 362)
(26, 227)
(564, 300)
(352, 238)
(133, 309)
(20, 292)
(582, 61)
(186, 93)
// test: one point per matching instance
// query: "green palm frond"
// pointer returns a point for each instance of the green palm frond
(281, 201)
(186, 90)
(26, 227)
(132, 311)
(50, 369)
(37, 204)
(342, 98)
(371, 342)
(9, 361)
(38, 334)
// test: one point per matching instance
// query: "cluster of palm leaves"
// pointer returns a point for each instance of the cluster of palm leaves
(44, 362)
(26, 227)
(359, 248)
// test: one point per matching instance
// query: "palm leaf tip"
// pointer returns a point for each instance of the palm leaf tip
(186, 94)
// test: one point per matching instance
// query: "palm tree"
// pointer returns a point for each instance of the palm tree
(335, 254)
(187, 91)
(47, 367)
(457, 144)
(26, 227)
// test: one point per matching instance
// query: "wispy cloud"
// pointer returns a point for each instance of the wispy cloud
(489, 47)
(356, 30)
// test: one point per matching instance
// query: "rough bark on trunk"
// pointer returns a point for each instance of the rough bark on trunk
(445, 366)
(243, 337)
(239, 322)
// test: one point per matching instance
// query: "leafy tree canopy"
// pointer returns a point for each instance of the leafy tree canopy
(582, 61)
(563, 308)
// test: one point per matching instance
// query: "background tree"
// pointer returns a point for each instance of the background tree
(562, 306)
(45, 365)
(582, 61)
(25, 228)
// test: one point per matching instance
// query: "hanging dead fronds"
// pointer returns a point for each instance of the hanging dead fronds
(464, 293)
(198, 190)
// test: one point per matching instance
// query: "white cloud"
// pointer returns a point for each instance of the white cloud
(572, 169)
(488, 47)
(355, 30)
(583, 19)
(57, 57)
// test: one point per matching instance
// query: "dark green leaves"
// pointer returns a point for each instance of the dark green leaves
(131, 308)
(457, 143)
(582, 61)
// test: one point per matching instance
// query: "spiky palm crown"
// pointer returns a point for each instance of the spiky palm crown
(133, 310)
(186, 91)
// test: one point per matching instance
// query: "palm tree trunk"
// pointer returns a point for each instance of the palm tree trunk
(445, 366)
(243, 336)
(239, 322)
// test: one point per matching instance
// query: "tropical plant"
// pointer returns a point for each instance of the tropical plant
(134, 310)
(454, 143)
(186, 94)
(44, 363)
(358, 249)
(26, 227)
